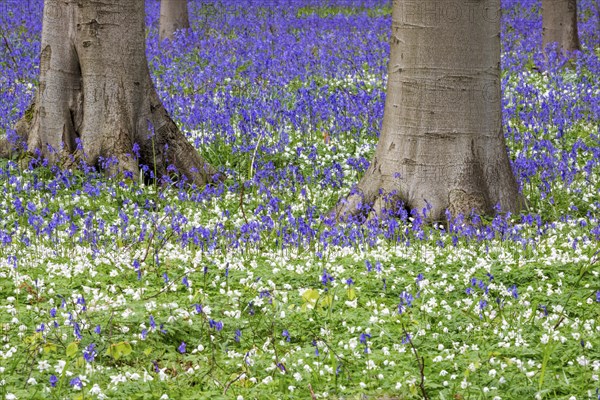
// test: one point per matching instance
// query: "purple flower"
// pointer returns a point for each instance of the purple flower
(138, 270)
(76, 383)
(77, 330)
(217, 325)
(326, 278)
(314, 343)
(363, 338)
(286, 335)
(406, 300)
(53, 380)
(89, 354)
(185, 282)
(406, 338)
(281, 367)
(181, 347)
(513, 291)
(136, 150)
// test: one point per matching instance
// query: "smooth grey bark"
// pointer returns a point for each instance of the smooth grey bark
(559, 24)
(96, 90)
(441, 144)
(173, 16)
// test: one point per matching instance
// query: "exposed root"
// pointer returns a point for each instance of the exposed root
(364, 208)
(167, 152)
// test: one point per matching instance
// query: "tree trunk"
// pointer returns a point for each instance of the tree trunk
(96, 98)
(441, 145)
(173, 16)
(559, 24)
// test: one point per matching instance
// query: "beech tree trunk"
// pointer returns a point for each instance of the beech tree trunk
(441, 145)
(559, 24)
(173, 16)
(96, 98)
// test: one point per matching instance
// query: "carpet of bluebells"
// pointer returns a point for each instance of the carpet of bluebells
(247, 289)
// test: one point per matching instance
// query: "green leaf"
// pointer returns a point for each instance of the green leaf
(113, 352)
(310, 296)
(49, 348)
(124, 348)
(326, 301)
(119, 350)
(72, 349)
(351, 294)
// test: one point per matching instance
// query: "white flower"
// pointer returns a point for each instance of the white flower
(10, 396)
(95, 390)
(351, 304)
(164, 397)
(60, 365)
(267, 380)
(42, 365)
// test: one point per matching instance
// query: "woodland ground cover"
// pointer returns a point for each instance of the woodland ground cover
(113, 289)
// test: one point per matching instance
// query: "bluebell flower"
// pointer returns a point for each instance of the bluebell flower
(314, 343)
(217, 325)
(363, 338)
(89, 354)
(406, 300)
(181, 347)
(77, 330)
(406, 339)
(76, 383)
